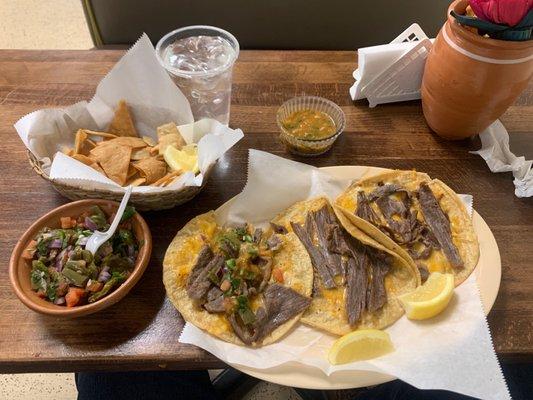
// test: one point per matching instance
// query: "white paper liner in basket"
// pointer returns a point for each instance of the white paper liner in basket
(153, 100)
(452, 351)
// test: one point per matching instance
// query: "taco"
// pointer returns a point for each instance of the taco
(420, 218)
(356, 280)
(243, 285)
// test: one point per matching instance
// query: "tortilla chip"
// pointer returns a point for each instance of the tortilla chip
(151, 169)
(133, 142)
(154, 150)
(122, 124)
(167, 178)
(169, 134)
(149, 141)
(83, 159)
(80, 145)
(114, 160)
(67, 150)
(169, 181)
(136, 182)
(91, 142)
(97, 167)
(171, 139)
(132, 171)
(105, 135)
(140, 154)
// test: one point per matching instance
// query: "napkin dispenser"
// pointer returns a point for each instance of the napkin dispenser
(392, 72)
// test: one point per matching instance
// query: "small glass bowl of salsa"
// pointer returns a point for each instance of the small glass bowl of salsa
(309, 125)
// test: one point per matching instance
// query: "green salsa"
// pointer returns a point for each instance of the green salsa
(309, 124)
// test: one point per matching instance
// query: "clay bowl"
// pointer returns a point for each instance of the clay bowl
(19, 269)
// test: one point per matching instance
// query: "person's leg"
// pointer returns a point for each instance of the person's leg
(145, 385)
(398, 390)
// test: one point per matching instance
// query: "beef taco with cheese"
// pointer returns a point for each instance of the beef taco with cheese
(356, 279)
(243, 285)
(419, 218)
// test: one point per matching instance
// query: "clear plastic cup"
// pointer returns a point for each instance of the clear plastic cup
(200, 59)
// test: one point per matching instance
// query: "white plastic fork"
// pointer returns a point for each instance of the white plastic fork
(99, 238)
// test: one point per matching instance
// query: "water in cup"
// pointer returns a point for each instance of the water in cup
(201, 66)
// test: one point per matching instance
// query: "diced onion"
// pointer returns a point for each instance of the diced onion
(59, 301)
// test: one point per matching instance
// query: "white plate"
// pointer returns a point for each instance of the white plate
(488, 273)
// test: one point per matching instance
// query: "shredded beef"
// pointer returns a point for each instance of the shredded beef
(439, 225)
(198, 282)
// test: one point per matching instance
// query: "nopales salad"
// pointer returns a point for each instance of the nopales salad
(63, 272)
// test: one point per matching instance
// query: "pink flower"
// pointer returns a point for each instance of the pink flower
(509, 12)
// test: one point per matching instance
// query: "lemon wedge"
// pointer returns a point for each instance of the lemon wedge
(185, 159)
(431, 298)
(360, 345)
(190, 149)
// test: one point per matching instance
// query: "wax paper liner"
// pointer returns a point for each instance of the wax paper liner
(452, 351)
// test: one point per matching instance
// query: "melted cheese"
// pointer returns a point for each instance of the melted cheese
(389, 286)
(335, 296)
(348, 202)
(437, 262)
(222, 325)
(188, 251)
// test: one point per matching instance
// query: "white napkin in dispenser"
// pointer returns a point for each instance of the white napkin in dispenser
(392, 72)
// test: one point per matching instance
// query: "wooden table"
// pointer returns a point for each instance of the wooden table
(141, 331)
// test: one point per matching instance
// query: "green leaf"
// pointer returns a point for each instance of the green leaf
(231, 264)
(51, 291)
(125, 236)
(98, 217)
(235, 283)
(244, 310)
(38, 281)
(128, 213)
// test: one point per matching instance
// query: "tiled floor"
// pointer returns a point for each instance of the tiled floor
(38, 386)
(60, 24)
(62, 387)
(43, 24)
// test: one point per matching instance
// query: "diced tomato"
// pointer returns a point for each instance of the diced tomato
(66, 222)
(41, 294)
(28, 253)
(277, 274)
(74, 296)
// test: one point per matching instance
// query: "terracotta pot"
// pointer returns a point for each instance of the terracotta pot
(470, 80)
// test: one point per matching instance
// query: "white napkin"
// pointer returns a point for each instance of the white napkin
(452, 351)
(392, 72)
(498, 156)
(153, 99)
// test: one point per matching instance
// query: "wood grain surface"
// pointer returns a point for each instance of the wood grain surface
(141, 331)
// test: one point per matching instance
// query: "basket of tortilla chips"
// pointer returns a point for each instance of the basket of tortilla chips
(138, 129)
(126, 158)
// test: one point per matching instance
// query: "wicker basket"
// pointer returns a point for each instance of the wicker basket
(141, 201)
